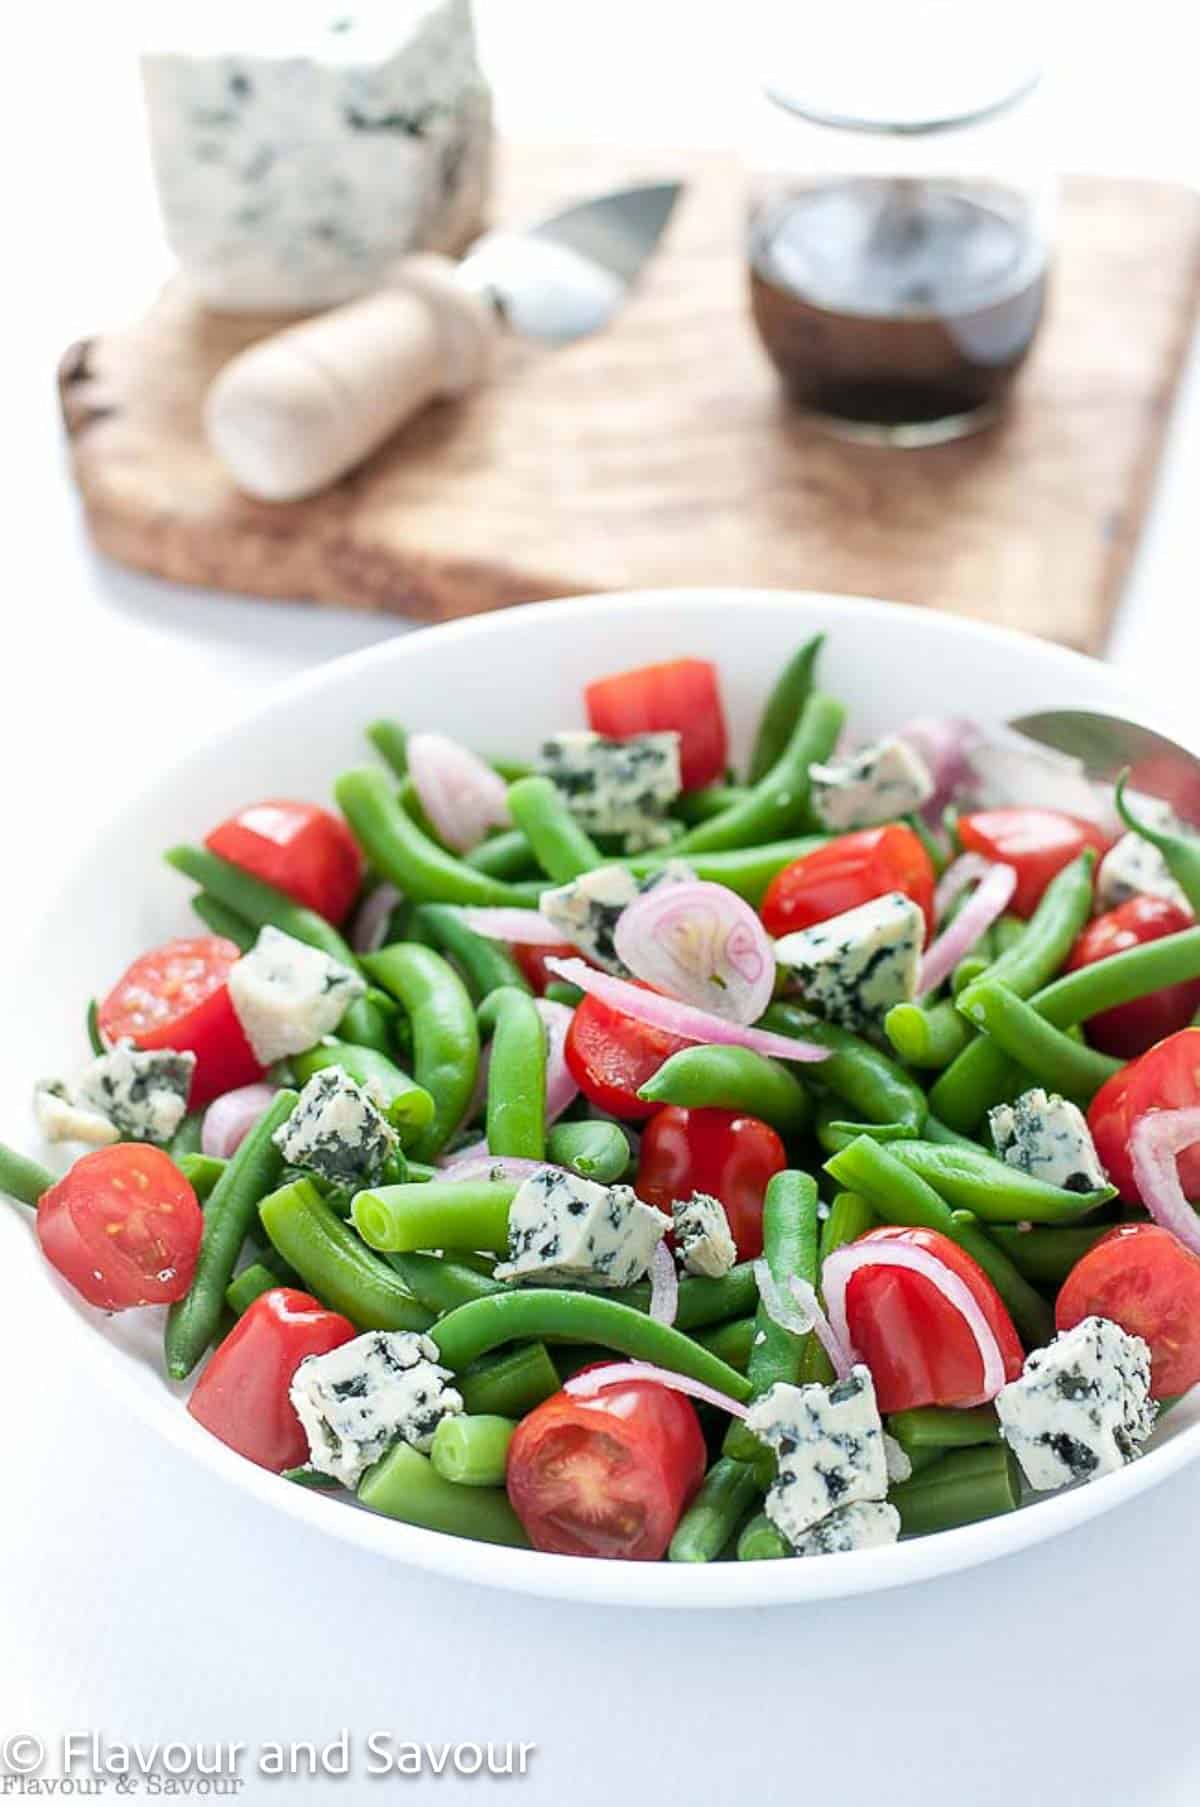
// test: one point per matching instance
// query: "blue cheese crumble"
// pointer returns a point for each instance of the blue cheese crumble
(1048, 1137)
(357, 1400)
(616, 787)
(562, 1229)
(287, 995)
(828, 1442)
(874, 785)
(127, 1095)
(702, 1237)
(1133, 866)
(867, 1525)
(1081, 1407)
(852, 968)
(337, 1131)
(61, 1119)
(585, 910)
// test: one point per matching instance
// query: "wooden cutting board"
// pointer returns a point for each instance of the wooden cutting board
(661, 451)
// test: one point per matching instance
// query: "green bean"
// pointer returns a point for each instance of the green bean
(406, 1485)
(249, 1174)
(761, 1542)
(261, 905)
(1008, 931)
(485, 965)
(250, 1284)
(311, 1477)
(187, 1137)
(473, 1329)
(779, 803)
(398, 849)
(563, 849)
(1047, 1055)
(593, 1147)
(945, 1427)
(937, 1131)
(1180, 850)
(471, 1449)
(407, 1106)
(504, 855)
(21, 1178)
(509, 1384)
(333, 1263)
(559, 992)
(435, 1214)
(439, 1283)
(875, 1087)
(746, 870)
(711, 800)
(703, 1301)
(965, 1486)
(201, 1171)
(833, 1133)
(1046, 1255)
(733, 1079)
(927, 1035)
(726, 1495)
(969, 968)
(223, 921)
(516, 1084)
(96, 1041)
(994, 1191)
(935, 849)
(390, 740)
(850, 1217)
(732, 1341)
(445, 1035)
(784, 706)
(1028, 1310)
(790, 1239)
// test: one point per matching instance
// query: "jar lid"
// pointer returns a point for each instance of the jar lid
(902, 66)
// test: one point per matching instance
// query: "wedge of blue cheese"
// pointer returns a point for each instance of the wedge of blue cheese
(337, 1131)
(866, 1525)
(287, 995)
(703, 1240)
(126, 1095)
(876, 784)
(358, 1399)
(828, 1443)
(299, 156)
(1133, 867)
(1081, 1407)
(1048, 1137)
(563, 1230)
(61, 1118)
(586, 909)
(852, 968)
(616, 787)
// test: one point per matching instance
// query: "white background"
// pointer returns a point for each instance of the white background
(139, 1596)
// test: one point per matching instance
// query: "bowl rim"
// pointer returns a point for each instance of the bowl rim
(592, 1580)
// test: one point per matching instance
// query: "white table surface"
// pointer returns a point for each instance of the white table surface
(139, 1597)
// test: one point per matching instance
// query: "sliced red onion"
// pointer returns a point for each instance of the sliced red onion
(475, 1163)
(960, 873)
(664, 1285)
(853, 1256)
(840, 1354)
(973, 920)
(619, 1374)
(781, 1309)
(561, 1088)
(701, 943)
(461, 795)
(526, 928)
(230, 1118)
(372, 918)
(1157, 1140)
(679, 1019)
(944, 743)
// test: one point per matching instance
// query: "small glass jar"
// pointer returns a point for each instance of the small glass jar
(900, 222)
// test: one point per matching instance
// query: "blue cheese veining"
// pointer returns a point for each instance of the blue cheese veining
(828, 1443)
(1048, 1137)
(287, 995)
(876, 784)
(852, 968)
(1133, 866)
(703, 1240)
(1081, 1407)
(586, 909)
(297, 159)
(358, 1399)
(616, 787)
(564, 1230)
(128, 1094)
(337, 1131)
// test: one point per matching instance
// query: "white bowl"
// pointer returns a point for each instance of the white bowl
(498, 681)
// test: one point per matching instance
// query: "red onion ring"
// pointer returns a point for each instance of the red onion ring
(618, 1374)
(679, 1019)
(701, 943)
(461, 795)
(976, 916)
(958, 875)
(664, 1285)
(840, 1354)
(1156, 1141)
(853, 1256)
(561, 1087)
(372, 917)
(229, 1119)
(525, 928)
(944, 743)
(475, 1163)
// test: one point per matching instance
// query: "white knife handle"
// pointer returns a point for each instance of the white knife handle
(296, 411)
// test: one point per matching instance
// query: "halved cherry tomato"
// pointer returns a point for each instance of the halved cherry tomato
(610, 1055)
(176, 997)
(609, 1475)
(1129, 1029)
(299, 848)
(848, 872)
(1143, 1278)
(532, 961)
(242, 1395)
(682, 694)
(123, 1226)
(1038, 843)
(918, 1347)
(1165, 1078)
(723, 1153)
